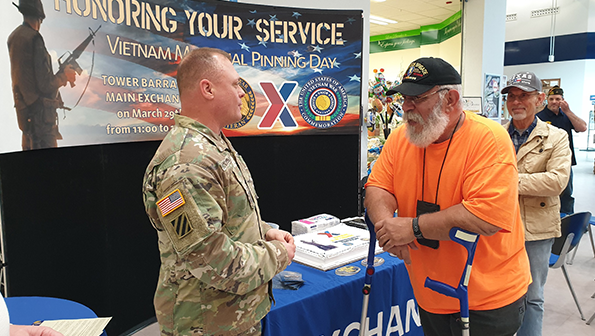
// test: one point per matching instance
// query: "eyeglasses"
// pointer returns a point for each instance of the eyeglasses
(416, 100)
(522, 97)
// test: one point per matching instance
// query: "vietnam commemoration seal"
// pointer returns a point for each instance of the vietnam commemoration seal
(323, 102)
(248, 106)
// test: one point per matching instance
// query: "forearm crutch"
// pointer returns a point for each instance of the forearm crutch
(469, 242)
(369, 272)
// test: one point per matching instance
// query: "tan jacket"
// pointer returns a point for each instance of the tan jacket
(543, 162)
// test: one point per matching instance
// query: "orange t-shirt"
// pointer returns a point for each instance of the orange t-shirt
(480, 172)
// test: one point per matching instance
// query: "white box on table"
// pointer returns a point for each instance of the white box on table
(314, 223)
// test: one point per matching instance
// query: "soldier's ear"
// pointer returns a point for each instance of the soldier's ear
(206, 89)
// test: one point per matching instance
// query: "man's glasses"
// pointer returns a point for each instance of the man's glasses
(522, 97)
(416, 100)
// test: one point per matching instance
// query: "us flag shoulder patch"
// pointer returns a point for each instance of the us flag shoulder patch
(170, 202)
(181, 225)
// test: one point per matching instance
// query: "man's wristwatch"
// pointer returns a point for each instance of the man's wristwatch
(416, 231)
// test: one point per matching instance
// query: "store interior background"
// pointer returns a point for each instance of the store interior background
(525, 41)
(575, 18)
(526, 44)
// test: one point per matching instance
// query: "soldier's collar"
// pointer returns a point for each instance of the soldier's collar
(220, 141)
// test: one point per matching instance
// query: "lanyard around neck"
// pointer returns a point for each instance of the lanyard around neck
(441, 167)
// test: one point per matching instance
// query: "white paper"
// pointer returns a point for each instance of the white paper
(78, 327)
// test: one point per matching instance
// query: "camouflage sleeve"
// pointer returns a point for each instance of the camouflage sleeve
(264, 227)
(220, 246)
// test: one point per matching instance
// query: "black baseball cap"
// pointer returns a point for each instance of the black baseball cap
(425, 73)
(524, 80)
(556, 90)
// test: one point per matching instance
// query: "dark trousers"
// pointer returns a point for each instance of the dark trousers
(503, 321)
(566, 199)
(39, 126)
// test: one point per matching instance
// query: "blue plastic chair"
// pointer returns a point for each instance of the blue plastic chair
(592, 316)
(573, 228)
(590, 229)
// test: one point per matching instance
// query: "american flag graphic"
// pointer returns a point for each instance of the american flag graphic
(170, 202)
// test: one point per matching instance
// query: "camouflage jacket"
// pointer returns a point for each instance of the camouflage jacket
(215, 263)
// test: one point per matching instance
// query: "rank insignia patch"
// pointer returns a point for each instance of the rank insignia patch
(170, 202)
(181, 225)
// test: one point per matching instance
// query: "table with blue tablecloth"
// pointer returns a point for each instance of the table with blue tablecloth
(27, 310)
(331, 305)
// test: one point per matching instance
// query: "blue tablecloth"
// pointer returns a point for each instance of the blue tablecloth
(28, 309)
(331, 305)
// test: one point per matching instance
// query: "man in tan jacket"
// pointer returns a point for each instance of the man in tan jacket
(543, 161)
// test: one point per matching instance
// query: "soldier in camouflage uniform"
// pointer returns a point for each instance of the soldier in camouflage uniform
(217, 256)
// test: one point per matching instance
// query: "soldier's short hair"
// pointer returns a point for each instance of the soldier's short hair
(198, 64)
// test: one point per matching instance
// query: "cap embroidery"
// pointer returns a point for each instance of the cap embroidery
(416, 71)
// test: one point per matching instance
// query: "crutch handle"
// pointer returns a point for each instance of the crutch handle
(469, 241)
(441, 288)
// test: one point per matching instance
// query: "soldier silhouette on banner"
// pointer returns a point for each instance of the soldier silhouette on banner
(34, 84)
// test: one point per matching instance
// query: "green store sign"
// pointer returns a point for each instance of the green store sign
(415, 38)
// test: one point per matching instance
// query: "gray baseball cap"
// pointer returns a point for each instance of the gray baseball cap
(525, 80)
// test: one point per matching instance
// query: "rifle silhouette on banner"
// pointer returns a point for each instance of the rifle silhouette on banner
(72, 61)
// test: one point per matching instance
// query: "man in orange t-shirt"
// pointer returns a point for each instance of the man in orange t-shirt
(447, 168)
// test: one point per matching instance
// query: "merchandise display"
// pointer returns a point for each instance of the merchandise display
(332, 247)
(384, 114)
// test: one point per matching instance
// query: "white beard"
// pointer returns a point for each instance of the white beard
(432, 129)
(519, 116)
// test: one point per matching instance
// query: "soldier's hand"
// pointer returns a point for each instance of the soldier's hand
(290, 247)
(285, 238)
(280, 235)
(70, 74)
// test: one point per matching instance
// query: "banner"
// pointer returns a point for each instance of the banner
(410, 39)
(300, 68)
(398, 43)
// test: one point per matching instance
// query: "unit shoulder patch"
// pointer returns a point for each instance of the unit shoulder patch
(181, 217)
(182, 225)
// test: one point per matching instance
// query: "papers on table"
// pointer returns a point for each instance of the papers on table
(78, 327)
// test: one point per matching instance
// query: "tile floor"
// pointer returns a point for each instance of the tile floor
(561, 315)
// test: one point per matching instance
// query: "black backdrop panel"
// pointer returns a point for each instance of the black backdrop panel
(75, 226)
(301, 176)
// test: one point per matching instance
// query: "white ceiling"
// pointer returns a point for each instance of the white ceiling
(411, 14)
